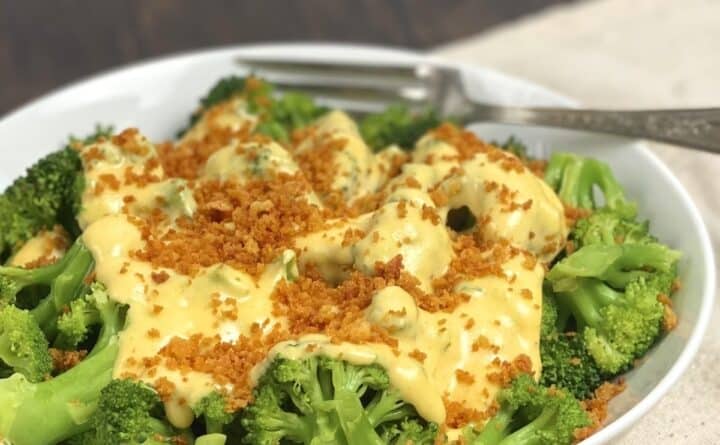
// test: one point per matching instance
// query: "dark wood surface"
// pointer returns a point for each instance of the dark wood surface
(44, 44)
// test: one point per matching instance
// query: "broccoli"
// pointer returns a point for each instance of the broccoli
(74, 326)
(565, 361)
(531, 414)
(320, 400)
(574, 179)
(567, 365)
(397, 125)
(278, 117)
(289, 112)
(128, 412)
(47, 195)
(70, 397)
(212, 408)
(514, 146)
(23, 346)
(66, 279)
(611, 292)
(606, 226)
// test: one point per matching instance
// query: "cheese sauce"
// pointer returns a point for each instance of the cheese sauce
(441, 356)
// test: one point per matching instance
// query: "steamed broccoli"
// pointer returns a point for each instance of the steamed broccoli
(129, 413)
(611, 292)
(57, 409)
(66, 280)
(397, 125)
(320, 400)
(575, 178)
(531, 415)
(278, 116)
(70, 397)
(23, 346)
(85, 313)
(514, 146)
(289, 112)
(568, 365)
(606, 226)
(565, 361)
(213, 409)
(47, 195)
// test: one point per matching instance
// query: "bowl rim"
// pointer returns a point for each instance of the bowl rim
(617, 426)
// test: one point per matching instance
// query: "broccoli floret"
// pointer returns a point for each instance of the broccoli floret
(575, 178)
(213, 409)
(397, 125)
(278, 116)
(322, 400)
(71, 397)
(611, 292)
(617, 265)
(75, 325)
(23, 346)
(47, 195)
(409, 432)
(567, 364)
(514, 146)
(531, 414)
(565, 361)
(128, 413)
(65, 279)
(289, 112)
(606, 226)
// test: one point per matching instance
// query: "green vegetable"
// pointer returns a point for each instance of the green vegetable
(325, 401)
(531, 415)
(212, 408)
(289, 112)
(397, 125)
(606, 226)
(130, 413)
(611, 292)
(47, 195)
(514, 146)
(57, 409)
(23, 346)
(565, 361)
(74, 326)
(278, 117)
(575, 178)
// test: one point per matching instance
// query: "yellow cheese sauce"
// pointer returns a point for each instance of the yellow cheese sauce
(231, 115)
(48, 244)
(358, 172)
(436, 351)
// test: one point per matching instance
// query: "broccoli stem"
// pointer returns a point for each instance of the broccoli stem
(528, 434)
(66, 286)
(585, 301)
(354, 420)
(496, 429)
(387, 406)
(60, 408)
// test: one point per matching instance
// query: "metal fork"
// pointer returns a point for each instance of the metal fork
(371, 88)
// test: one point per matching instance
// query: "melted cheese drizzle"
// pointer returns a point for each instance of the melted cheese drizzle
(507, 315)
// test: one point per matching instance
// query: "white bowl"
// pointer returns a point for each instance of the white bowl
(158, 96)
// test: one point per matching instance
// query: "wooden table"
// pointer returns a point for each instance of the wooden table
(45, 44)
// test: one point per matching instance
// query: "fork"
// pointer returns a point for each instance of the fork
(362, 89)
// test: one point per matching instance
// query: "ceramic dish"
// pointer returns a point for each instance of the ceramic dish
(157, 95)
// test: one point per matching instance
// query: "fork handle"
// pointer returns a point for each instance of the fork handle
(696, 128)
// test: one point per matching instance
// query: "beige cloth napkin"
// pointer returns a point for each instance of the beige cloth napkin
(634, 53)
